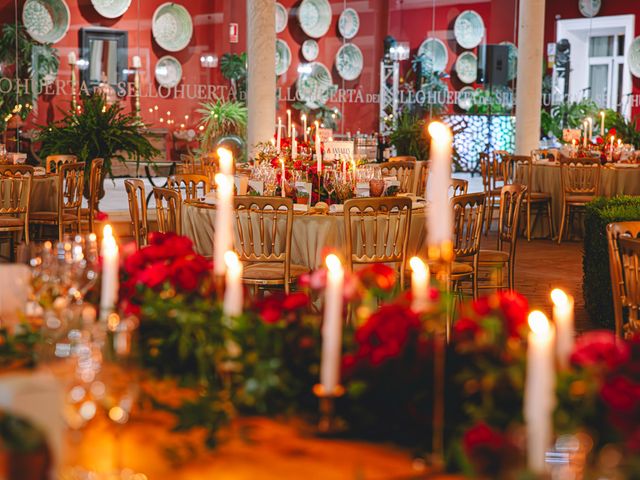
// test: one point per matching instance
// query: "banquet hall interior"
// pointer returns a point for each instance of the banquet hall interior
(323, 239)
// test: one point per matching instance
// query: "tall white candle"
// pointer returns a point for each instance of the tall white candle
(344, 167)
(440, 218)
(539, 398)
(226, 161)
(282, 178)
(223, 225)
(590, 121)
(294, 143)
(304, 126)
(332, 325)
(318, 149)
(563, 320)
(586, 132)
(279, 134)
(136, 62)
(232, 306)
(419, 285)
(288, 123)
(72, 58)
(602, 114)
(110, 266)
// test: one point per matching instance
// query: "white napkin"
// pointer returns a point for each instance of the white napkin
(336, 208)
(300, 207)
(14, 292)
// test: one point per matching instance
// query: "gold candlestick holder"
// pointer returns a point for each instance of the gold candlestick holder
(74, 102)
(329, 425)
(136, 83)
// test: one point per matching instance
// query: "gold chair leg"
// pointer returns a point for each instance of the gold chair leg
(528, 221)
(550, 214)
(562, 222)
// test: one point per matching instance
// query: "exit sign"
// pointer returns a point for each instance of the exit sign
(233, 33)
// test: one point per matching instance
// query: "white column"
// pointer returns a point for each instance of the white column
(261, 82)
(529, 86)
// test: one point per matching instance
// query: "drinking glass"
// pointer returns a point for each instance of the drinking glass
(329, 182)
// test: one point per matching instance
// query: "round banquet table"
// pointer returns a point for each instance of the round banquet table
(613, 181)
(312, 234)
(44, 193)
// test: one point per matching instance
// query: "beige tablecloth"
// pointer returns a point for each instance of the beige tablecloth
(44, 193)
(312, 234)
(613, 181)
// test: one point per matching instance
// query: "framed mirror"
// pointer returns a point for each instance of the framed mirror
(103, 57)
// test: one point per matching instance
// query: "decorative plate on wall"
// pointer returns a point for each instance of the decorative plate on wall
(633, 57)
(111, 8)
(589, 8)
(315, 17)
(467, 67)
(468, 29)
(349, 61)
(168, 71)
(435, 53)
(46, 21)
(283, 56)
(513, 60)
(310, 50)
(172, 26)
(315, 85)
(465, 98)
(349, 23)
(281, 18)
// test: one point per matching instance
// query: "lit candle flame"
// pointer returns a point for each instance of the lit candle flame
(418, 266)
(333, 263)
(558, 297)
(539, 323)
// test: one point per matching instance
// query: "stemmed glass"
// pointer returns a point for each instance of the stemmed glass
(329, 182)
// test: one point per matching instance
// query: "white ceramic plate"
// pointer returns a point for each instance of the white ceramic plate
(468, 29)
(465, 98)
(349, 23)
(310, 50)
(46, 21)
(633, 57)
(467, 67)
(172, 26)
(513, 60)
(315, 17)
(281, 18)
(349, 61)
(315, 85)
(435, 51)
(283, 57)
(589, 8)
(111, 8)
(168, 71)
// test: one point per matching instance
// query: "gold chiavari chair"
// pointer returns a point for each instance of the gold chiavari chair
(168, 210)
(630, 261)
(136, 197)
(16, 170)
(403, 171)
(53, 162)
(616, 231)
(505, 254)
(580, 182)
(96, 173)
(403, 158)
(468, 215)
(14, 209)
(193, 185)
(458, 186)
(423, 179)
(264, 226)
(377, 231)
(522, 172)
(187, 164)
(70, 189)
(488, 170)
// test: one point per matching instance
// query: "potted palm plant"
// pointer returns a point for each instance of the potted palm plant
(97, 130)
(222, 121)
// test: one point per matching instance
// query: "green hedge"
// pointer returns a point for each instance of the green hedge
(596, 286)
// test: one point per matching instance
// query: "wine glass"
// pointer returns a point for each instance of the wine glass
(329, 182)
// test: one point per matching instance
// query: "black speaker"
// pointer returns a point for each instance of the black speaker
(493, 64)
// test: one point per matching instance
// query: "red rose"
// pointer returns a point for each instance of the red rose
(187, 272)
(154, 275)
(482, 437)
(599, 140)
(377, 275)
(600, 348)
(633, 441)
(295, 301)
(515, 308)
(101, 216)
(465, 329)
(621, 394)
(613, 132)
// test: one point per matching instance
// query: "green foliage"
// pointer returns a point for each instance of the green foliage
(20, 435)
(329, 116)
(221, 118)
(35, 62)
(234, 68)
(498, 100)
(411, 137)
(596, 285)
(97, 131)
(568, 115)
(627, 130)
(18, 348)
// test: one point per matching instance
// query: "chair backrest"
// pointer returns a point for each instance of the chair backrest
(187, 164)
(16, 170)
(458, 186)
(15, 196)
(580, 178)
(96, 173)
(403, 158)
(423, 180)
(486, 166)
(53, 162)
(614, 232)
(630, 258)
(468, 215)
(403, 171)
(510, 206)
(168, 209)
(137, 209)
(70, 188)
(377, 230)
(193, 185)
